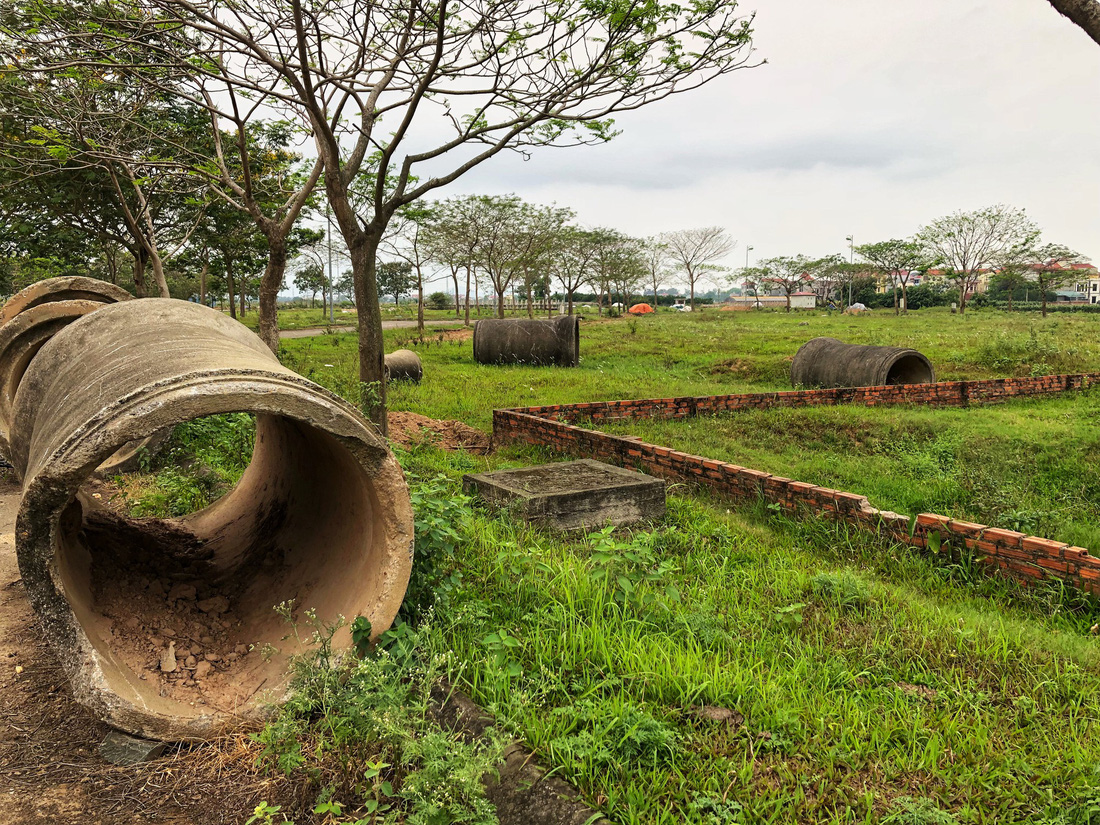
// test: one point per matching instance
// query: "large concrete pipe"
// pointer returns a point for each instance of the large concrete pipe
(403, 365)
(827, 362)
(527, 341)
(31, 317)
(162, 624)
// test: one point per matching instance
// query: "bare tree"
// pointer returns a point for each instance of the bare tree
(1085, 13)
(572, 261)
(656, 263)
(695, 252)
(967, 244)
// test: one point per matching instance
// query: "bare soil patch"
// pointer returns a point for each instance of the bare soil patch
(409, 429)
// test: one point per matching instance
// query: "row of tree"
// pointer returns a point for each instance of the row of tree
(999, 244)
(504, 245)
(161, 112)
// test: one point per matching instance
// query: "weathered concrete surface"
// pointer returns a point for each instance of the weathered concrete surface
(31, 317)
(403, 365)
(20, 340)
(62, 289)
(827, 362)
(321, 517)
(528, 341)
(572, 495)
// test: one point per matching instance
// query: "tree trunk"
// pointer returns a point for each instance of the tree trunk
(500, 303)
(139, 272)
(240, 293)
(270, 282)
(691, 287)
(905, 297)
(530, 305)
(1043, 305)
(363, 250)
(468, 295)
(458, 305)
(419, 303)
(1010, 291)
(229, 284)
(570, 301)
(897, 309)
(158, 273)
(202, 280)
(1085, 13)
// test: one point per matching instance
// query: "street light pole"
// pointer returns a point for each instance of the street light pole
(851, 260)
(748, 249)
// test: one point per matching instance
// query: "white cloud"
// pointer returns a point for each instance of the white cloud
(870, 118)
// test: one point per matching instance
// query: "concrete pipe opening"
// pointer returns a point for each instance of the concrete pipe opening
(528, 341)
(164, 626)
(910, 368)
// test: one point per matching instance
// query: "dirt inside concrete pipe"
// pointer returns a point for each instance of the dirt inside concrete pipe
(167, 627)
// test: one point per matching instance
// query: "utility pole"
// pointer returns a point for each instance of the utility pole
(851, 260)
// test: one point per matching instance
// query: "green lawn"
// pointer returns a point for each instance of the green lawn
(708, 353)
(721, 667)
(1028, 465)
(726, 665)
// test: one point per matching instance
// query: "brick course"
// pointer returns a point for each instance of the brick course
(1027, 558)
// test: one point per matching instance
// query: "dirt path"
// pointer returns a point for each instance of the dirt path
(311, 331)
(50, 770)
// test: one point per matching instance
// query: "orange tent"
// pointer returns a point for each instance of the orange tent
(640, 309)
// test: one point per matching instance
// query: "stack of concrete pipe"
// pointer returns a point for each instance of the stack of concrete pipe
(320, 519)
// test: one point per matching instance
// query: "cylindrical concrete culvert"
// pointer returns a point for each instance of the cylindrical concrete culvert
(161, 624)
(34, 315)
(528, 341)
(827, 362)
(403, 365)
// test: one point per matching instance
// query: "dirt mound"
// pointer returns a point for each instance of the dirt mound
(407, 429)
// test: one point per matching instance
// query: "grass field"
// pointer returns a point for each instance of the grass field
(724, 665)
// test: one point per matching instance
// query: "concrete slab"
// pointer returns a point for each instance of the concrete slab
(572, 495)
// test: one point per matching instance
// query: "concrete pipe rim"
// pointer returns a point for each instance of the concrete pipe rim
(50, 549)
(64, 288)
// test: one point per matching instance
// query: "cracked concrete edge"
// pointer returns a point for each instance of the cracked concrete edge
(522, 791)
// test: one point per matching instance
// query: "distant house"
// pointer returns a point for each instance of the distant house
(1086, 282)
(799, 300)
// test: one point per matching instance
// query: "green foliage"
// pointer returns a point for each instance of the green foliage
(441, 514)
(910, 811)
(199, 462)
(439, 300)
(843, 591)
(357, 733)
(632, 568)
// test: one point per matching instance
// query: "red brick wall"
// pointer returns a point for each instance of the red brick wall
(1025, 557)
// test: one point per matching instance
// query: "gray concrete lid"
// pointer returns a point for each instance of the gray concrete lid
(562, 478)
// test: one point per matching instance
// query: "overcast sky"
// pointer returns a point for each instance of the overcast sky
(870, 118)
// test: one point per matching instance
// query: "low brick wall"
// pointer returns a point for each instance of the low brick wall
(1029, 558)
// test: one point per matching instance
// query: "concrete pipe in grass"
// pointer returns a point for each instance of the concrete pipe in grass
(827, 362)
(403, 365)
(321, 517)
(528, 341)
